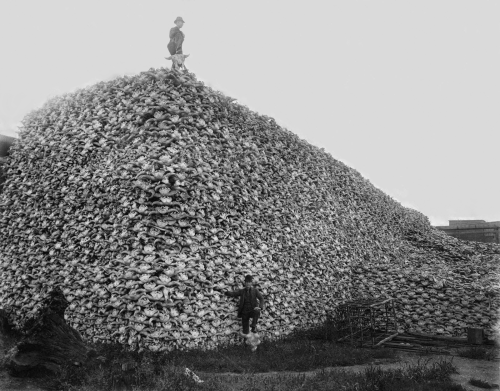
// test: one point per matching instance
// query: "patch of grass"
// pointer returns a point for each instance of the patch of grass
(278, 356)
(417, 377)
(482, 384)
(234, 367)
(292, 354)
(165, 371)
(272, 356)
(478, 353)
(168, 378)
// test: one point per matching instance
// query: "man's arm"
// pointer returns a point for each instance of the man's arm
(173, 32)
(233, 293)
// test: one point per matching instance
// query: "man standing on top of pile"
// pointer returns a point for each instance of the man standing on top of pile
(176, 37)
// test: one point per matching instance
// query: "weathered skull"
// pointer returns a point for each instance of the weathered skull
(178, 59)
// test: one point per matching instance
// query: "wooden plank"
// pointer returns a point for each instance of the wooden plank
(416, 349)
(442, 338)
(423, 342)
(437, 340)
(387, 339)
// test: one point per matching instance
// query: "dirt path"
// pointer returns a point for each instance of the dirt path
(483, 370)
(467, 368)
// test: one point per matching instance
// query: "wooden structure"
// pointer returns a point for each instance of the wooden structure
(434, 344)
(475, 230)
(368, 322)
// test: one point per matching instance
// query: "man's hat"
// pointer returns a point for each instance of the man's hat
(179, 19)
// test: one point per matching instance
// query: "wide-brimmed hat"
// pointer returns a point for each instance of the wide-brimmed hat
(179, 19)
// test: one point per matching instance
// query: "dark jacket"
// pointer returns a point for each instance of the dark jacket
(254, 295)
(176, 40)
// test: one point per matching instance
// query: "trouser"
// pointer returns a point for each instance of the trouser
(245, 319)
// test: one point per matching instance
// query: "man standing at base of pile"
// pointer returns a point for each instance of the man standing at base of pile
(247, 307)
(176, 37)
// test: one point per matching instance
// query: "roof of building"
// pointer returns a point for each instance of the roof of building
(5, 143)
(469, 224)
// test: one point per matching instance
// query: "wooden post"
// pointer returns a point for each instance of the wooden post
(475, 336)
(372, 324)
(387, 339)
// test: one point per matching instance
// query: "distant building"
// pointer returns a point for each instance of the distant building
(475, 230)
(5, 144)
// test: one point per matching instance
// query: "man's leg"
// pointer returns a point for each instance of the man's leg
(175, 65)
(179, 51)
(245, 321)
(255, 316)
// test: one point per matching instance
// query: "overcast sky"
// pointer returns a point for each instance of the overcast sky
(405, 92)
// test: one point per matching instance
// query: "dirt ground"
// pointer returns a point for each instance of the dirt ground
(8, 383)
(467, 368)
